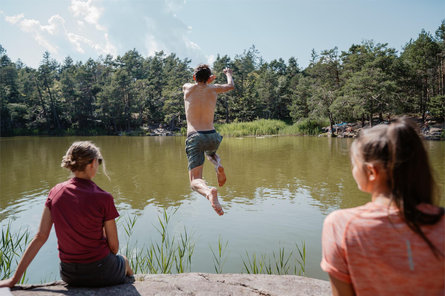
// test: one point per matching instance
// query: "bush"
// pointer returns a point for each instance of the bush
(306, 126)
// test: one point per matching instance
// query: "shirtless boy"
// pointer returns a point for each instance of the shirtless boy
(200, 103)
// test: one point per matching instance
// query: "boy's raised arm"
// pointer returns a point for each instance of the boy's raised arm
(220, 88)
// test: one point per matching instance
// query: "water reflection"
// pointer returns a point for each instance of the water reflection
(154, 169)
(320, 166)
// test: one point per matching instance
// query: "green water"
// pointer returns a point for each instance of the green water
(278, 192)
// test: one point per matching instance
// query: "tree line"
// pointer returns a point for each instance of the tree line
(110, 95)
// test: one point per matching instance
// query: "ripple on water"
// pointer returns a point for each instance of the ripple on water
(26, 202)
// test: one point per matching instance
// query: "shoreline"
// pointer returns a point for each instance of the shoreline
(431, 130)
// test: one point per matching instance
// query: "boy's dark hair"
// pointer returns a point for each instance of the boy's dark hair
(202, 73)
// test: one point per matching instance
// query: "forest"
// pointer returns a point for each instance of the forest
(112, 95)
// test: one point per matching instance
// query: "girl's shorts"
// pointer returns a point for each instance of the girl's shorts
(104, 272)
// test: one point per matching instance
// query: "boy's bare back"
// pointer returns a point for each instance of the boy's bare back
(200, 102)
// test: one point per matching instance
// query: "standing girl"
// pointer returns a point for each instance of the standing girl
(83, 217)
(395, 244)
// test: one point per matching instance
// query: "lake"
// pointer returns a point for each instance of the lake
(278, 192)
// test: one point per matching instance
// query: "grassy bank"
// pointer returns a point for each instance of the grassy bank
(262, 127)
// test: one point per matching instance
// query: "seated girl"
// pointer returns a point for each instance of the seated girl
(83, 217)
(395, 244)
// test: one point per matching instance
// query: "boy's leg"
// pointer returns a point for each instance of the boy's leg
(220, 174)
(199, 185)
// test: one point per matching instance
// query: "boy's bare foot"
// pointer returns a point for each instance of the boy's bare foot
(213, 198)
(221, 176)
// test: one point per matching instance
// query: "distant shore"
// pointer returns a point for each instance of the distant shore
(431, 130)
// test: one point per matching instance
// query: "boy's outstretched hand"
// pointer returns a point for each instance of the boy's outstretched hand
(227, 71)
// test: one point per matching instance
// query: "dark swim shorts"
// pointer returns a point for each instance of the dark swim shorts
(105, 272)
(198, 143)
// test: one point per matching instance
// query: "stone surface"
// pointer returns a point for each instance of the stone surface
(192, 284)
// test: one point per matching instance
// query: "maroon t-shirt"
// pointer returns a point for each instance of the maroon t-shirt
(79, 209)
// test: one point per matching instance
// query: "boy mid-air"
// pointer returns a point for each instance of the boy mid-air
(200, 103)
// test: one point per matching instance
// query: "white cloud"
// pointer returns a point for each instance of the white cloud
(32, 25)
(89, 37)
(76, 40)
(191, 45)
(109, 47)
(38, 31)
(211, 59)
(88, 12)
(152, 45)
(14, 19)
(54, 23)
(97, 27)
(150, 27)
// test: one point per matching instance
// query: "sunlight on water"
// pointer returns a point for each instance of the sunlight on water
(278, 192)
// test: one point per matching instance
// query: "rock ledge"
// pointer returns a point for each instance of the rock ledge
(192, 284)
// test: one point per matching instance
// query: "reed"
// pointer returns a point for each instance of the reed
(133, 254)
(174, 253)
(301, 260)
(281, 262)
(12, 245)
(170, 254)
(219, 256)
(254, 265)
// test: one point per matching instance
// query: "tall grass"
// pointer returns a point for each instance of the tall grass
(262, 127)
(169, 254)
(258, 127)
(12, 245)
(219, 256)
(281, 262)
(173, 253)
(301, 260)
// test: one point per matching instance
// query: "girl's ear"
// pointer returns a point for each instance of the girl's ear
(89, 166)
(371, 172)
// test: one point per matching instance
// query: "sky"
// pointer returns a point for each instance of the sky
(201, 30)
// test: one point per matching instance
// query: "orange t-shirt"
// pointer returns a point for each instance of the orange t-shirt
(373, 248)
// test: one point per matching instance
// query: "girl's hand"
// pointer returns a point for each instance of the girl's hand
(7, 283)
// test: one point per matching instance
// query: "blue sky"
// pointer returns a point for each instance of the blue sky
(202, 29)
